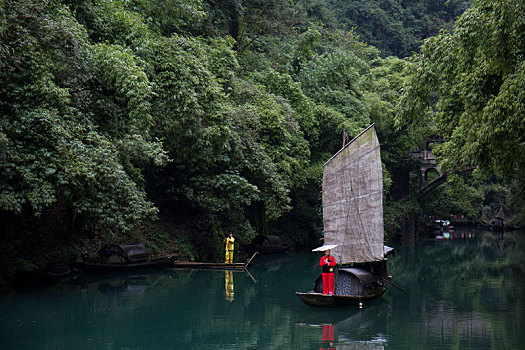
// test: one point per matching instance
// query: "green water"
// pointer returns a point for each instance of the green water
(465, 293)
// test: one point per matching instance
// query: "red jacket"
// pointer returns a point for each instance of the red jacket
(327, 268)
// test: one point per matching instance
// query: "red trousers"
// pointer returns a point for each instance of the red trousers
(328, 333)
(328, 283)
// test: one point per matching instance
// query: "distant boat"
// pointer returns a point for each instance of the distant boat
(352, 200)
(267, 244)
(497, 218)
(117, 257)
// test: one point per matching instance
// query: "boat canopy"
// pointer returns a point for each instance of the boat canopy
(365, 277)
(134, 252)
(353, 200)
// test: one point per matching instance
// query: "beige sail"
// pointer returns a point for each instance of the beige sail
(353, 200)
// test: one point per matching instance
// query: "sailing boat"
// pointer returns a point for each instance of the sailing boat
(353, 223)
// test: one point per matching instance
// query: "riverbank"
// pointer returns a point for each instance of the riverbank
(36, 248)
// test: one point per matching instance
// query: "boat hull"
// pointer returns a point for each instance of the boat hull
(324, 300)
(354, 285)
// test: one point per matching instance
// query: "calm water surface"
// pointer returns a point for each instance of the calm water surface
(465, 293)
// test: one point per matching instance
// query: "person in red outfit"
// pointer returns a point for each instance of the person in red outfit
(327, 262)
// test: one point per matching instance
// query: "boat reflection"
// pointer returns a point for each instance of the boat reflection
(470, 232)
(349, 327)
(450, 232)
(125, 287)
(128, 284)
(332, 339)
(135, 285)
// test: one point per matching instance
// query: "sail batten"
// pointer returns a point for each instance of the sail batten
(353, 200)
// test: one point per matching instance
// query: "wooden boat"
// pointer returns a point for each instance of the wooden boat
(352, 200)
(212, 265)
(116, 257)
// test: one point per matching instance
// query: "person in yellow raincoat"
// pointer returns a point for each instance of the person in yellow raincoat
(229, 249)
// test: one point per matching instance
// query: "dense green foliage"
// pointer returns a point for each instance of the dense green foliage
(214, 115)
(397, 27)
(469, 84)
(218, 115)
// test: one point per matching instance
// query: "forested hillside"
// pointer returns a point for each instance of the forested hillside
(397, 27)
(174, 121)
(468, 84)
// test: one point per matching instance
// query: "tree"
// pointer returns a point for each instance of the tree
(396, 27)
(75, 122)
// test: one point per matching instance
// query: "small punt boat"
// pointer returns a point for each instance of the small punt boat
(212, 265)
(352, 198)
(116, 257)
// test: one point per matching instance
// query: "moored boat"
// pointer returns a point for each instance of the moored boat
(117, 257)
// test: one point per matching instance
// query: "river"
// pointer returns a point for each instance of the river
(467, 292)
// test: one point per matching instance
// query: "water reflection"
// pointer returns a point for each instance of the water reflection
(464, 293)
(328, 337)
(469, 232)
(228, 285)
(126, 287)
(446, 231)
(348, 327)
(465, 290)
